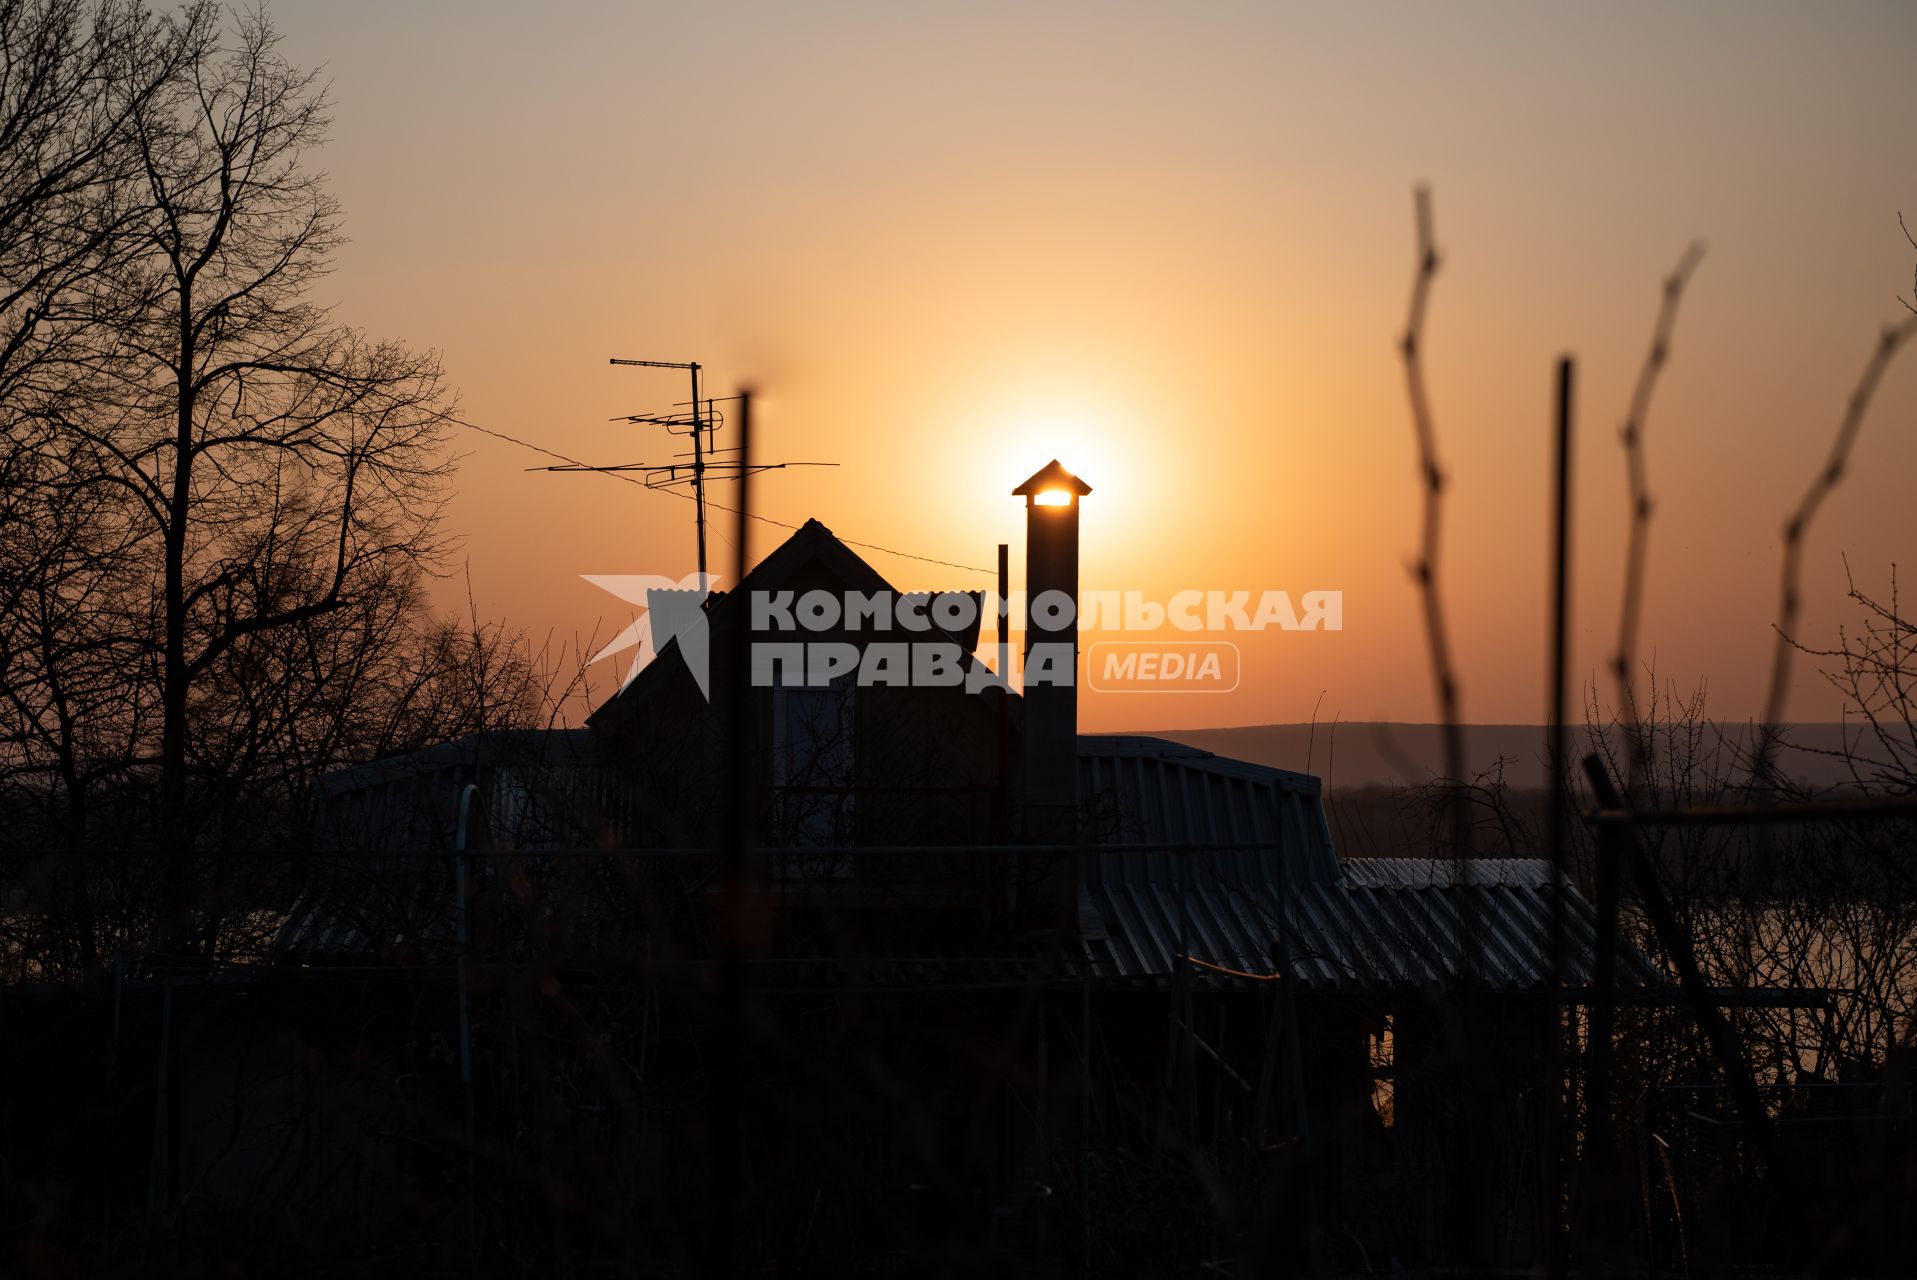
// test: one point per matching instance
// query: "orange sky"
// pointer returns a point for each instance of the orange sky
(1170, 245)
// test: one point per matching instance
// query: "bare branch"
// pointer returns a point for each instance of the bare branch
(1798, 525)
(1624, 662)
(1425, 570)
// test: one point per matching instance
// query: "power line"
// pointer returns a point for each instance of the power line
(781, 524)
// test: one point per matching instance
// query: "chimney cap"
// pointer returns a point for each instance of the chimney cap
(1051, 477)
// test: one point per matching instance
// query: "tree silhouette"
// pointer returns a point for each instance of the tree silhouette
(220, 504)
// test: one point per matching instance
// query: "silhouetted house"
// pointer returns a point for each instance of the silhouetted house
(828, 760)
(1036, 968)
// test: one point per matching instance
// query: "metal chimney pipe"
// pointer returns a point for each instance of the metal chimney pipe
(1051, 652)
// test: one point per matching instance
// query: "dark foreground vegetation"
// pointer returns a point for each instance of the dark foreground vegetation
(240, 1034)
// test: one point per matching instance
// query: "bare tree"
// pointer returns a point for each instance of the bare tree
(74, 76)
(283, 465)
(219, 503)
(77, 682)
(1874, 667)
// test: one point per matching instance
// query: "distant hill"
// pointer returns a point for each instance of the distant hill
(1388, 753)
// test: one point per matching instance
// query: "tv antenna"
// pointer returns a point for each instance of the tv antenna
(705, 461)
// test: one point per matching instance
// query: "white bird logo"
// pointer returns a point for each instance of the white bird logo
(668, 610)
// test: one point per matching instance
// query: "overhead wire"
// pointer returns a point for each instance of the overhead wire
(850, 542)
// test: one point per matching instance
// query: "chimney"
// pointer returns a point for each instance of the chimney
(1051, 652)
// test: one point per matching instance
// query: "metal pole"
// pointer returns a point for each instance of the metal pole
(1041, 1123)
(730, 1249)
(1598, 1147)
(1676, 938)
(1004, 613)
(699, 477)
(1551, 1091)
(1002, 818)
(162, 1131)
(1177, 1011)
(1084, 1111)
(466, 801)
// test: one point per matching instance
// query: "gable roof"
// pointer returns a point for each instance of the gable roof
(1052, 475)
(811, 543)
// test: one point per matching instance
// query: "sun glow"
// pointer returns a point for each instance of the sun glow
(1092, 437)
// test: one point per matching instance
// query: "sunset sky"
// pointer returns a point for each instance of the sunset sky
(1171, 246)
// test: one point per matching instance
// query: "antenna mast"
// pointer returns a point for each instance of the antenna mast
(702, 424)
(698, 453)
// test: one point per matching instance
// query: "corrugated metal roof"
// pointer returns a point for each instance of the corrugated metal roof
(1424, 873)
(365, 907)
(368, 892)
(1366, 922)
(411, 802)
(1362, 923)
(1139, 790)
(1383, 923)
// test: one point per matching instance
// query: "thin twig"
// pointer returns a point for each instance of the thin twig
(1425, 570)
(1826, 480)
(1911, 305)
(1624, 661)
(1311, 742)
